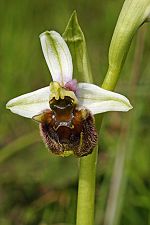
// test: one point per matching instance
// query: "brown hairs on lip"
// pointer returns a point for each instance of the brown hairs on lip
(79, 135)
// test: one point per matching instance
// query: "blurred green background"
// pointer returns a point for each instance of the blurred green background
(37, 188)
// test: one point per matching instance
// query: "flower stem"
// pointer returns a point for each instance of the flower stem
(87, 173)
(86, 189)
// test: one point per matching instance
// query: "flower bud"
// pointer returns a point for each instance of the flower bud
(133, 14)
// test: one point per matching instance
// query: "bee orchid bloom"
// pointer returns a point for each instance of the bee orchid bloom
(65, 109)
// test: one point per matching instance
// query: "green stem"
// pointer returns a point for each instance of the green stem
(86, 189)
(87, 174)
(111, 79)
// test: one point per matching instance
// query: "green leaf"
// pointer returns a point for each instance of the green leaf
(75, 39)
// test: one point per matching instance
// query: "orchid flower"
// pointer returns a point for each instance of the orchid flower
(65, 108)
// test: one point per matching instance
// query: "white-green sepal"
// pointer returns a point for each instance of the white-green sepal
(99, 100)
(30, 104)
(57, 56)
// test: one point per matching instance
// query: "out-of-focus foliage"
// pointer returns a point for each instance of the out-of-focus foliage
(37, 188)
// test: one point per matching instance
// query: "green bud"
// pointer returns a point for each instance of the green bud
(133, 14)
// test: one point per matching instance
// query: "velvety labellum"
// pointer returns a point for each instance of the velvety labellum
(64, 128)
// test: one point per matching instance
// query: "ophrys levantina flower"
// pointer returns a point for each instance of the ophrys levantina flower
(65, 108)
